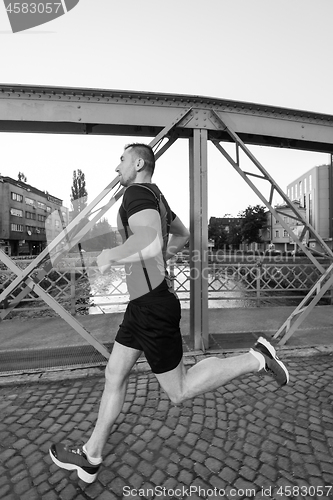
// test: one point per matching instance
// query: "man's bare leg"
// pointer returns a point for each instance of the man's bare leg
(207, 375)
(213, 372)
(121, 361)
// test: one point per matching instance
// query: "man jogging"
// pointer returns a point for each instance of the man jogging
(152, 234)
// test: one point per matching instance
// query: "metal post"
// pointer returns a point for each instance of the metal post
(199, 240)
(258, 281)
(73, 308)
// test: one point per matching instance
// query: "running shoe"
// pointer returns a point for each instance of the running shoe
(71, 458)
(273, 366)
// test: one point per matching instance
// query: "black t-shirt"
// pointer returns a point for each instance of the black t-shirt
(149, 276)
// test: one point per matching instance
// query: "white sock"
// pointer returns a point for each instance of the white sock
(260, 357)
(92, 460)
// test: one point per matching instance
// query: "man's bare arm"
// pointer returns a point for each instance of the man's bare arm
(144, 242)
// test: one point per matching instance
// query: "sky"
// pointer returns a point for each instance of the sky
(262, 51)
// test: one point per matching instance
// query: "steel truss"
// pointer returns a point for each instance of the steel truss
(166, 117)
(326, 280)
(67, 239)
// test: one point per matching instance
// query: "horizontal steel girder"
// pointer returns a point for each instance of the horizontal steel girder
(91, 111)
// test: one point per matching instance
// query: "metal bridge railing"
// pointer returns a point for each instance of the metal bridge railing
(82, 290)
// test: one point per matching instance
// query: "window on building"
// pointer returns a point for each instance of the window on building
(41, 218)
(57, 223)
(30, 215)
(41, 205)
(17, 197)
(305, 185)
(310, 210)
(30, 201)
(30, 229)
(300, 189)
(18, 228)
(16, 212)
(277, 233)
(285, 234)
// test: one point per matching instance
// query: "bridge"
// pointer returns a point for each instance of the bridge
(167, 118)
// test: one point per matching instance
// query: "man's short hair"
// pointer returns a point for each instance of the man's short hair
(145, 152)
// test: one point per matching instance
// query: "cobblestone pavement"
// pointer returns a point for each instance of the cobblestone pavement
(245, 440)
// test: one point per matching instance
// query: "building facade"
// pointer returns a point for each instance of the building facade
(313, 191)
(29, 218)
(275, 237)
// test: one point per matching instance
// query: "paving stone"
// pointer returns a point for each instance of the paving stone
(220, 439)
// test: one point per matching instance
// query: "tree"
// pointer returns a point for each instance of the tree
(78, 192)
(79, 201)
(100, 237)
(235, 233)
(253, 220)
(21, 177)
(217, 232)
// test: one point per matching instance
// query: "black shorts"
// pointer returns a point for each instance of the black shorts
(153, 327)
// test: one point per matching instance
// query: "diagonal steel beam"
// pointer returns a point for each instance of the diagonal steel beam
(32, 283)
(265, 176)
(70, 242)
(61, 311)
(270, 207)
(305, 308)
(326, 280)
(58, 239)
(85, 213)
